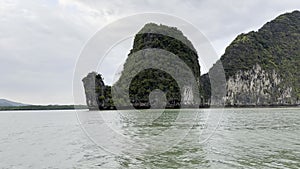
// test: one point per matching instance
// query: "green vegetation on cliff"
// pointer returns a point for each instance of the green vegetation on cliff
(275, 46)
(276, 49)
(168, 39)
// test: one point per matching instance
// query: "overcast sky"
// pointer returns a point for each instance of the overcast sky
(40, 40)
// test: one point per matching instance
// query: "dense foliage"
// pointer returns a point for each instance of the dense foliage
(170, 39)
(152, 79)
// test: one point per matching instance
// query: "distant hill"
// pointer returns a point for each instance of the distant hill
(6, 103)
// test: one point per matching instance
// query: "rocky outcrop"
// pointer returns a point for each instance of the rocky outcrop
(162, 58)
(263, 68)
(98, 95)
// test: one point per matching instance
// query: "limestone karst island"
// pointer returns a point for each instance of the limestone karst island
(262, 68)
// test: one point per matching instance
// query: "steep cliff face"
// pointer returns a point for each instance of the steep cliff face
(258, 87)
(263, 67)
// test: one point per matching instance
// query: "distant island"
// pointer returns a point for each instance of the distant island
(6, 105)
(42, 107)
(262, 68)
